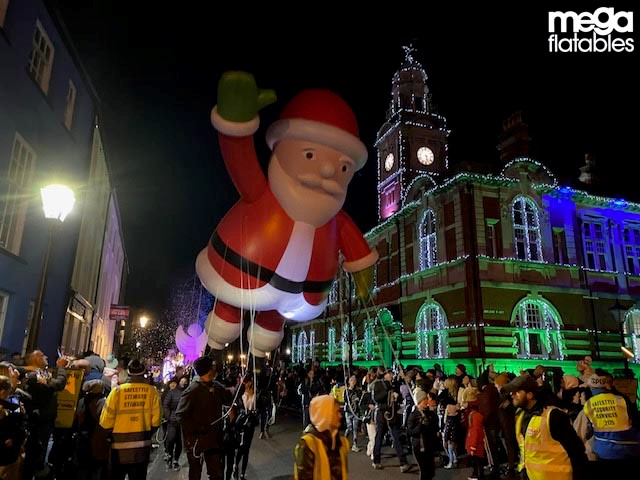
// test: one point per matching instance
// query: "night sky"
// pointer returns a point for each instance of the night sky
(155, 67)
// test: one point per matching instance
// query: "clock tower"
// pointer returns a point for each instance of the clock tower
(412, 143)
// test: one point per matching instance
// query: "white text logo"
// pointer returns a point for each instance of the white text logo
(592, 32)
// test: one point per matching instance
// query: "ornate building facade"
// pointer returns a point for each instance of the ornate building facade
(477, 266)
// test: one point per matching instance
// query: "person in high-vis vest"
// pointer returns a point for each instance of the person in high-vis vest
(321, 453)
(549, 446)
(616, 442)
(132, 414)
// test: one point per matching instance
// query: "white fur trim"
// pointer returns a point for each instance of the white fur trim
(318, 132)
(234, 129)
(361, 263)
(220, 331)
(262, 340)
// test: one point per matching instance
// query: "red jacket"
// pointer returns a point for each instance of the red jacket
(475, 434)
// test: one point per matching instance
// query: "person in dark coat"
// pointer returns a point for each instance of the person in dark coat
(422, 427)
(12, 430)
(200, 413)
(173, 442)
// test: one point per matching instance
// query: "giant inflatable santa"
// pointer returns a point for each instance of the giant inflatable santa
(275, 254)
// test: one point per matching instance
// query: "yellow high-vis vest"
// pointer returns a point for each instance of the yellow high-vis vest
(321, 467)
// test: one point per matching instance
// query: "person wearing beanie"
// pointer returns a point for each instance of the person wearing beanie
(289, 227)
(132, 414)
(549, 446)
(422, 427)
(616, 441)
(321, 453)
(201, 412)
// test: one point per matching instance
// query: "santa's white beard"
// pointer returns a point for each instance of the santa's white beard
(301, 203)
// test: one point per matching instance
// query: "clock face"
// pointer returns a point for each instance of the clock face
(425, 155)
(388, 162)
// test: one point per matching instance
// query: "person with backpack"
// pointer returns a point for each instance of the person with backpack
(91, 445)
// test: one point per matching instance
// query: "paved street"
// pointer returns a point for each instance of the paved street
(272, 459)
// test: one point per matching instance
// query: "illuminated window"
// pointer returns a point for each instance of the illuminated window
(41, 57)
(302, 347)
(631, 236)
(369, 340)
(333, 293)
(71, 105)
(344, 340)
(595, 244)
(331, 344)
(427, 232)
(294, 347)
(431, 336)
(14, 199)
(538, 329)
(526, 229)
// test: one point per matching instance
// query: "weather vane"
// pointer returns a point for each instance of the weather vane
(408, 50)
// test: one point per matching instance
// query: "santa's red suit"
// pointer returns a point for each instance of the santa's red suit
(259, 258)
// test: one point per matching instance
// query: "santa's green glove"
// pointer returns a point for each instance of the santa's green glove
(364, 283)
(239, 98)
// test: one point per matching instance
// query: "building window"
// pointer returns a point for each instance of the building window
(631, 236)
(294, 347)
(331, 344)
(559, 246)
(427, 232)
(71, 105)
(302, 347)
(41, 58)
(632, 332)
(345, 341)
(526, 229)
(491, 234)
(431, 336)
(537, 333)
(4, 6)
(595, 245)
(369, 340)
(312, 344)
(4, 302)
(14, 200)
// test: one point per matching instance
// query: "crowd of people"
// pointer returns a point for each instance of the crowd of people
(501, 424)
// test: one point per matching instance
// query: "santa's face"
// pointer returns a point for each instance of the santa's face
(309, 180)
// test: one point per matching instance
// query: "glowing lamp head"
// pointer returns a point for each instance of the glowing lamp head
(57, 201)
(144, 320)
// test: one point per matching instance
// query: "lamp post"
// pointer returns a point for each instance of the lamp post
(57, 203)
(618, 312)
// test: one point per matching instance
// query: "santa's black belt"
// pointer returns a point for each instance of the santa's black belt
(264, 274)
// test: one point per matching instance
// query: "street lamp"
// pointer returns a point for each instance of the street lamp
(57, 203)
(143, 321)
(618, 313)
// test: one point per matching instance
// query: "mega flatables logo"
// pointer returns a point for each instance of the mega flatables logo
(604, 30)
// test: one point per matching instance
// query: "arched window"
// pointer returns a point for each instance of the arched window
(369, 340)
(537, 332)
(526, 229)
(431, 335)
(345, 341)
(302, 346)
(331, 347)
(632, 332)
(427, 240)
